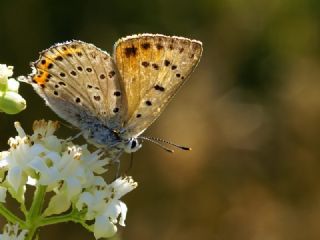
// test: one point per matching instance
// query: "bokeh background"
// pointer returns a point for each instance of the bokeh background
(250, 111)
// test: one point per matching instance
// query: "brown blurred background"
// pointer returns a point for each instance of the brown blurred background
(250, 111)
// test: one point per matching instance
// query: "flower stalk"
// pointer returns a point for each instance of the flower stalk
(9, 216)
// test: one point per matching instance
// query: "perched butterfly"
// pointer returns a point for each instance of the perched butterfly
(114, 99)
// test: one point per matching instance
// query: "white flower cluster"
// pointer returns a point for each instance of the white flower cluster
(12, 232)
(10, 100)
(71, 172)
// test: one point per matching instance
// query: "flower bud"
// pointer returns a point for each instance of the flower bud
(13, 85)
(11, 102)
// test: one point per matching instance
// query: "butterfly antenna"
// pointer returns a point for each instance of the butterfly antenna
(157, 143)
(170, 143)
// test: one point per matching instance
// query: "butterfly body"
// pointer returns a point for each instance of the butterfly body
(113, 99)
(101, 136)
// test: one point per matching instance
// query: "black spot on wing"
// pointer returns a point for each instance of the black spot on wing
(111, 74)
(155, 66)
(159, 88)
(145, 45)
(145, 64)
(131, 51)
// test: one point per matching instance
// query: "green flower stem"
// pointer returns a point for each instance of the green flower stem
(10, 216)
(34, 216)
(70, 217)
(38, 199)
(31, 232)
(23, 209)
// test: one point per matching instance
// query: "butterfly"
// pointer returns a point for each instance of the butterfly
(114, 99)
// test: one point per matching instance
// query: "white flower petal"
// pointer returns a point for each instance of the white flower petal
(50, 176)
(84, 199)
(35, 150)
(103, 228)
(6, 71)
(22, 235)
(19, 129)
(15, 177)
(113, 210)
(44, 128)
(38, 164)
(13, 85)
(73, 187)
(99, 181)
(11, 232)
(123, 185)
(123, 215)
(53, 143)
(53, 158)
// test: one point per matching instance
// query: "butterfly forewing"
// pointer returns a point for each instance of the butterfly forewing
(152, 69)
(79, 81)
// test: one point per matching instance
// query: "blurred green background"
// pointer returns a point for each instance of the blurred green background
(250, 111)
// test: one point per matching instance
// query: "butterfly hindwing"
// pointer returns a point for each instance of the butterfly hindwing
(152, 69)
(78, 78)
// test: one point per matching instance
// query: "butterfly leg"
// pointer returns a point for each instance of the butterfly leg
(130, 164)
(74, 137)
(116, 161)
(67, 125)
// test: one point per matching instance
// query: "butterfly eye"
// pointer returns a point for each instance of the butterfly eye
(132, 145)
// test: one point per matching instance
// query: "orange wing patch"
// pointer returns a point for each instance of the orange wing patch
(46, 62)
(41, 78)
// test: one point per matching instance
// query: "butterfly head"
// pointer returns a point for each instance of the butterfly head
(132, 145)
